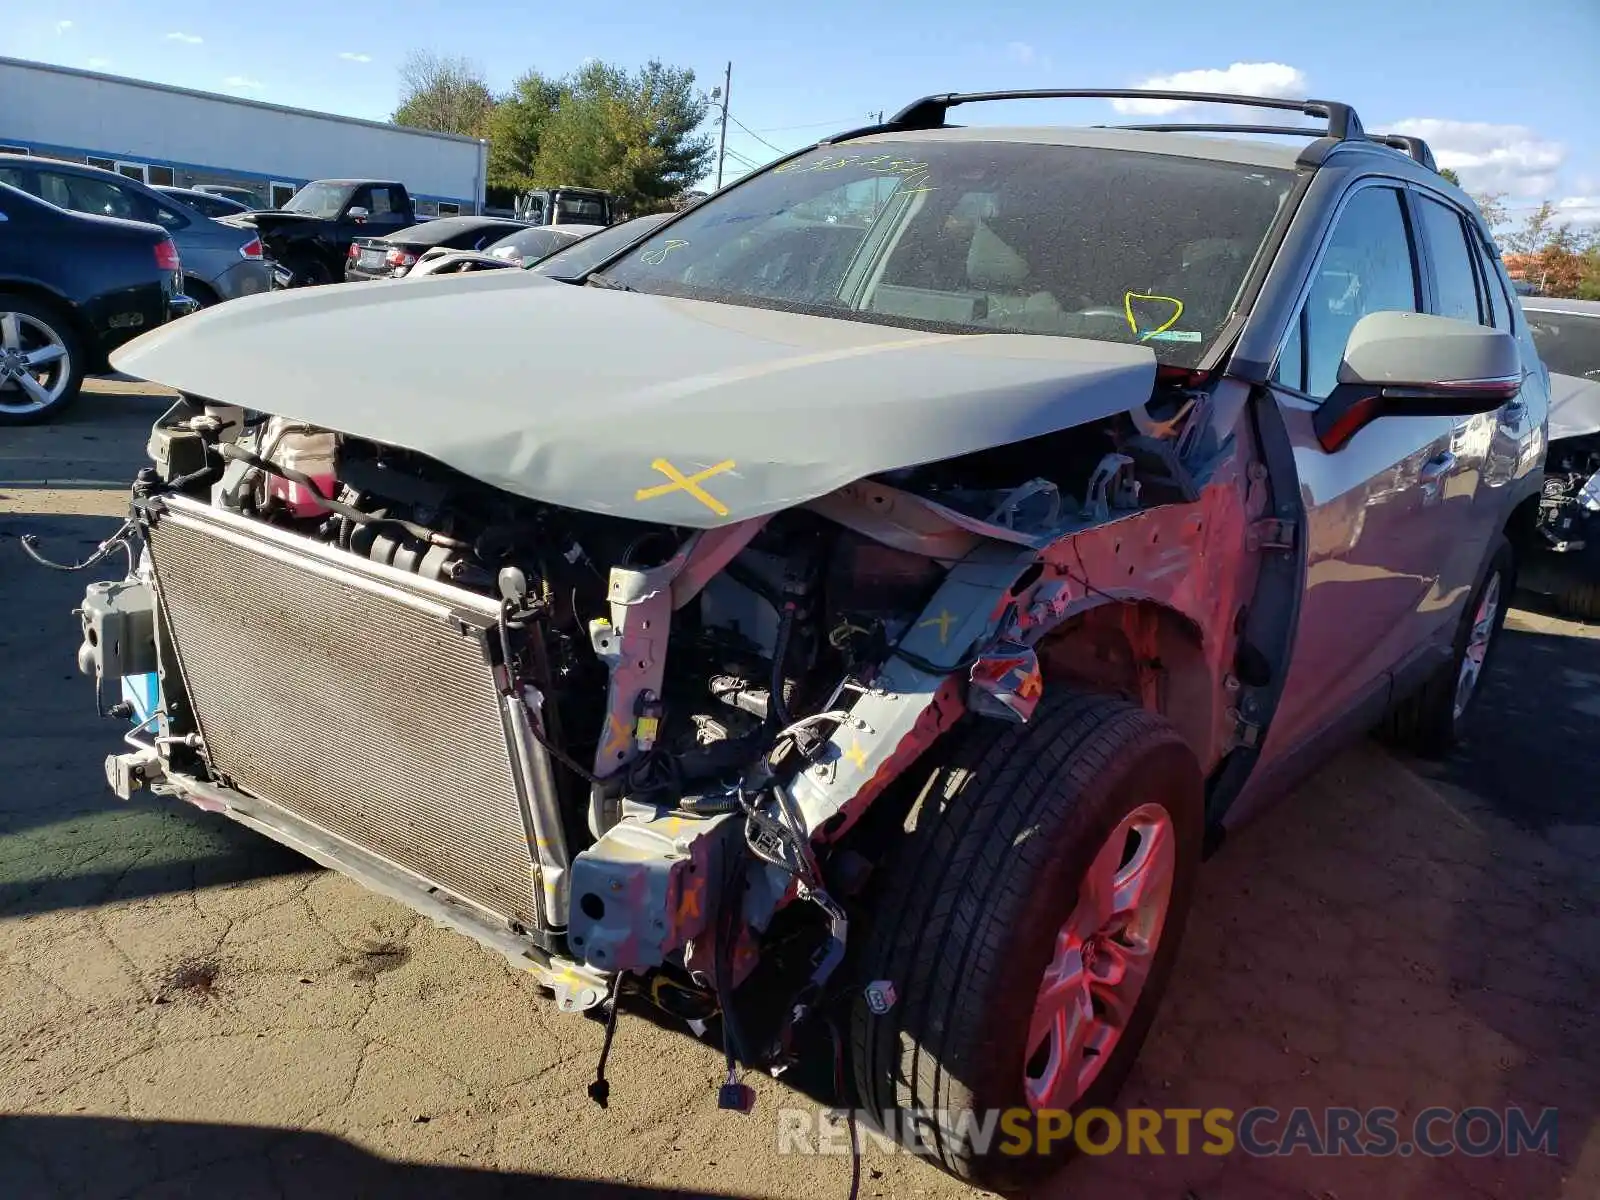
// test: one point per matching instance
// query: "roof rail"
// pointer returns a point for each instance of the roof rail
(1343, 123)
(1415, 147)
(930, 111)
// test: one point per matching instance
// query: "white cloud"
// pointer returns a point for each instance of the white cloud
(63, 26)
(188, 39)
(355, 56)
(243, 83)
(1490, 158)
(96, 63)
(1021, 52)
(1578, 210)
(1277, 80)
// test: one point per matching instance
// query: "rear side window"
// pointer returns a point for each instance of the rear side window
(1454, 276)
(1368, 266)
(85, 194)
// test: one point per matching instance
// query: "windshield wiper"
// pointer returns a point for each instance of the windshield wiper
(595, 279)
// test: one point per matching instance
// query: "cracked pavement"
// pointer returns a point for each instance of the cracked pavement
(187, 1010)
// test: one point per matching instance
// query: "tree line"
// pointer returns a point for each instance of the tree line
(1554, 256)
(636, 134)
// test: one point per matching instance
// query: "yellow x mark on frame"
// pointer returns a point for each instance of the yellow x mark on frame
(687, 483)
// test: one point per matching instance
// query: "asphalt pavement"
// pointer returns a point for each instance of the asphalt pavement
(187, 1010)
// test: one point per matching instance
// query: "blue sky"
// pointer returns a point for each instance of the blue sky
(1509, 100)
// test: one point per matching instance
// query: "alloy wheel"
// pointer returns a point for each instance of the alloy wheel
(35, 366)
(1478, 639)
(1102, 958)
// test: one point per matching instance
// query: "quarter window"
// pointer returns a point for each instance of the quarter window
(1367, 266)
(1455, 281)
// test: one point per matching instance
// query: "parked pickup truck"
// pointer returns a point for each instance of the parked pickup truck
(309, 236)
(567, 206)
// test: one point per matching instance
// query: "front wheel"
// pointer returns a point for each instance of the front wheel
(1028, 922)
(41, 361)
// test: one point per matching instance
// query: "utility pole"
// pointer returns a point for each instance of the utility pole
(877, 116)
(722, 142)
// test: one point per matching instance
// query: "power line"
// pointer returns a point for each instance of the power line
(809, 125)
(755, 135)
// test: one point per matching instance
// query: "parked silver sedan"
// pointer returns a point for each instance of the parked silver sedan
(220, 262)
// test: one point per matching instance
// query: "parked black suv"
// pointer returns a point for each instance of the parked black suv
(74, 287)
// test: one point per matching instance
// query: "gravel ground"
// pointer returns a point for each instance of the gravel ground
(186, 1010)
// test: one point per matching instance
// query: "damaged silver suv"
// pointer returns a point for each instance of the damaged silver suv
(860, 603)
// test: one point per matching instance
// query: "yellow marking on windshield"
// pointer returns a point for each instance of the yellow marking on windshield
(1133, 325)
(658, 256)
(686, 483)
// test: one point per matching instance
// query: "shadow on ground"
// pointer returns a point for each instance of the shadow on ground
(51, 1157)
(65, 839)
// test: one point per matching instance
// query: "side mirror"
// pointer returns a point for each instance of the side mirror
(1408, 364)
(357, 213)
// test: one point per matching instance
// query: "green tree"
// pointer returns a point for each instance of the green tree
(444, 94)
(633, 133)
(1535, 232)
(1450, 174)
(516, 127)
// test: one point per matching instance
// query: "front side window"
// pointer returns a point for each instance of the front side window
(1368, 266)
(1455, 281)
(1569, 343)
(981, 237)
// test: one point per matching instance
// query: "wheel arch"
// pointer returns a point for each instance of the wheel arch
(202, 291)
(70, 312)
(1146, 652)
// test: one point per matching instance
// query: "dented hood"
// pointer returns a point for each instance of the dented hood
(642, 406)
(1574, 406)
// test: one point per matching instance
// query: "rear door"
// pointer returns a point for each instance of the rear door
(1375, 533)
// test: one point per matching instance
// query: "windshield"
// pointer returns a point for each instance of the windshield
(319, 199)
(1569, 343)
(572, 262)
(987, 237)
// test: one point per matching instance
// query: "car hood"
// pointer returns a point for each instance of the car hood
(660, 409)
(1574, 406)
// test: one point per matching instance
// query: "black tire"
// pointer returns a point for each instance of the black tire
(1426, 722)
(309, 270)
(1580, 600)
(967, 909)
(61, 328)
(1576, 590)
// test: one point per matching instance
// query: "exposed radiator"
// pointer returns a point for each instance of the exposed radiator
(355, 696)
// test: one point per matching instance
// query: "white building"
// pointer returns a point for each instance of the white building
(174, 136)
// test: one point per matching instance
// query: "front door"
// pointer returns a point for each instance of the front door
(1379, 510)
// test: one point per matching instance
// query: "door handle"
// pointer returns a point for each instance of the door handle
(1437, 467)
(1512, 411)
(1431, 477)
